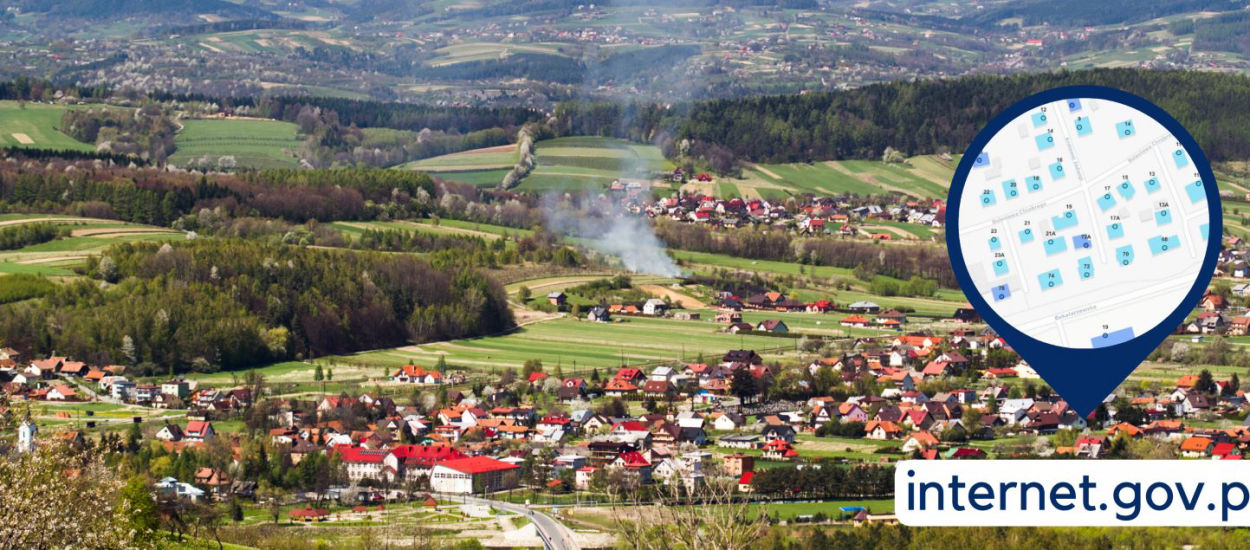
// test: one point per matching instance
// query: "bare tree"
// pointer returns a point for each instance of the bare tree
(687, 515)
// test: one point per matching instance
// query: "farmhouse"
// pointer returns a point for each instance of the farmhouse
(654, 306)
(412, 374)
(772, 325)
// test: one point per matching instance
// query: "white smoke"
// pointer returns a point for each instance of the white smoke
(615, 233)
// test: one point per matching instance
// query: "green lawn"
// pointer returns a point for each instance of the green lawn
(253, 143)
(39, 123)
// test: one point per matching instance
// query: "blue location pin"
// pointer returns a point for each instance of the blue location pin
(1084, 277)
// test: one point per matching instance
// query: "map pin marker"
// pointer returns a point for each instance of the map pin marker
(1084, 225)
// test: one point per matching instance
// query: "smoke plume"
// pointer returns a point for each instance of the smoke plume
(612, 232)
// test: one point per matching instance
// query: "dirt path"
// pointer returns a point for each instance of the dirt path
(117, 231)
(51, 259)
(20, 221)
(765, 171)
(686, 300)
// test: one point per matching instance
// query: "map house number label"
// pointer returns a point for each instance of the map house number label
(1084, 225)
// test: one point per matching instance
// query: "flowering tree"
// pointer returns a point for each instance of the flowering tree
(60, 497)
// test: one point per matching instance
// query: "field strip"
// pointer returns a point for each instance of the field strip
(555, 282)
(117, 232)
(462, 167)
(872, 179)
(20, 221)
(50, 259)
(426, 227)
(889, 229)
(22, 138)
(496, 149)
(569, 174)
(686, 300)
(766, 171)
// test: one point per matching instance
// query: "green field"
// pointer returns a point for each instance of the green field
(490, 158)
(481, 167)
(35, 126)
(578, 346)
(921, 177)
(479, 178)
(590, 163)
(253, 143)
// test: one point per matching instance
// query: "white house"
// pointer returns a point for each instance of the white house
(172, 487)
(654, 306)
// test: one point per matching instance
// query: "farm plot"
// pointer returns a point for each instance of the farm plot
(484, 167)
(252, 143)
(35, 126)
(922, 177)
(488, 158)
(579, 346)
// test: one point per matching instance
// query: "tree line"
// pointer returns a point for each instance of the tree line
(26, 234)
(924, 261)
(157, 197)
(825, 481)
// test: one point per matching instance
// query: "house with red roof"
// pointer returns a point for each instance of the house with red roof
(198, 430)
(1225, 451)
(855, 321)
(778, 449)
(1197, 446)
(744, 482)
(820, 306)
(619, 388)
(919, 441)
(309, 514)
(882, 430)
(413, 374)
(631, 375)
(934, 369)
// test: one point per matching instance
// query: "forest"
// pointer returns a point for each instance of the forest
(400, 116)
(222, 303)
(944, 115)
(157, 197)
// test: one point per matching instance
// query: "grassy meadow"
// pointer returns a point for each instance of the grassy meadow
(253, 143)
(35, 125)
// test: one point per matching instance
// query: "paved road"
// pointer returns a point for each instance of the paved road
(554, 533)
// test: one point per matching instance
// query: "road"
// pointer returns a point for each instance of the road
(553, 533)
